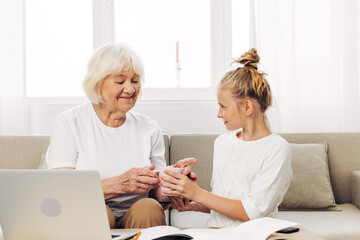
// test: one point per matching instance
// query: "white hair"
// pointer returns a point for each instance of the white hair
(109, 60)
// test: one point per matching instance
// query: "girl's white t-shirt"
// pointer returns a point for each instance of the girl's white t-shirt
(79, 139)
(256, 172)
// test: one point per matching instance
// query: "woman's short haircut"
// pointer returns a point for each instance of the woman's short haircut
(109, 60)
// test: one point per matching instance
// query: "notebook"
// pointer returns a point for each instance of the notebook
(54, 204)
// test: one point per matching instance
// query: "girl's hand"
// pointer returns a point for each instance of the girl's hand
(166, 206)
(182, 204)
(185, 163)
(179, 184)
(163, 200)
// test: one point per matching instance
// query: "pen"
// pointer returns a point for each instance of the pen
(137, 235)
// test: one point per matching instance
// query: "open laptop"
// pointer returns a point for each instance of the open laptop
(54, 205)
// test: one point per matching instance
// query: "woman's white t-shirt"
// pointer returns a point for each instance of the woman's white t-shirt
(79, 139)
(256, 172)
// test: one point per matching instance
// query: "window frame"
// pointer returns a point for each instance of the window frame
(221, 54)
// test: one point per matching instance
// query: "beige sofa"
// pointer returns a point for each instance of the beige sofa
(338, 154)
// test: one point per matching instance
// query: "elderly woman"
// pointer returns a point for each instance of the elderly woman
(125, 147)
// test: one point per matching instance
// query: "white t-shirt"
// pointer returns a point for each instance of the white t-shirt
(256, 172)
(79, 139)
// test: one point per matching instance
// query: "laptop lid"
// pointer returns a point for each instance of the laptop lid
(52, 204)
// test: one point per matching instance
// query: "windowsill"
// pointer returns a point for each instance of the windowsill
(167, 95)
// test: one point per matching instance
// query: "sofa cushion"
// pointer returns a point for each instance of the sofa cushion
(343, 154)
(199, 146)
(188, 219)
(22, 152)
(43, 164)
(355, 188)
(331, 225)
(310, 187)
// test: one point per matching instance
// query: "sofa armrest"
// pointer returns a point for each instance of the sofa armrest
(355, 188)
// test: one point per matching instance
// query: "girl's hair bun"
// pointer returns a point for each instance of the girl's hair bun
(247, 81)
(249, 58)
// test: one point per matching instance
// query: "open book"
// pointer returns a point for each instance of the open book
(257, 229)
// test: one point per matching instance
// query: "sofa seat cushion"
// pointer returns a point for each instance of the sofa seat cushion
(188, 219)
(331, 225)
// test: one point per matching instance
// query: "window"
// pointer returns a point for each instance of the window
(186, 45)
(173, 40)
(58, 45)
(240, 27)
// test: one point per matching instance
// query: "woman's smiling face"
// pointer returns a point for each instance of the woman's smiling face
(120, 91)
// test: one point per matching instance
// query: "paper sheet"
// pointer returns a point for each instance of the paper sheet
(261, 228)
(258, 229)
(155, 232)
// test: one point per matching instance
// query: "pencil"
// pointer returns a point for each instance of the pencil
(137, 235)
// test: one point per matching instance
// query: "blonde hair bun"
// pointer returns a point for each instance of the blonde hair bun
(249, 58)
(247, 81)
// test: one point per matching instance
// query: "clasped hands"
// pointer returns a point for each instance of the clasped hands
(182, 187)
(144, 179)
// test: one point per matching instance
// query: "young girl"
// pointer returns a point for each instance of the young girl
(251, 167)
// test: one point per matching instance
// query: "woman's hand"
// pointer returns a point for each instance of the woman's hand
(138, 180)
(179, 184)
(185, 163)
(135, 181)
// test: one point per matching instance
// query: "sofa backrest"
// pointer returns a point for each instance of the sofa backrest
(343, 155)
(198, 146)
(25, 152)
(22, 152)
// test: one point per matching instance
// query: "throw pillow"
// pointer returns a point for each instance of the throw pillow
(43, 164)
(310, 187)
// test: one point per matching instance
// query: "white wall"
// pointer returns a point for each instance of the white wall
(175, 117)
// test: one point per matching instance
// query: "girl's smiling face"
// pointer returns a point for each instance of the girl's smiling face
(229, 110)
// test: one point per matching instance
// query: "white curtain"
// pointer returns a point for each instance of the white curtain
(310, 50)
(12, 91)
